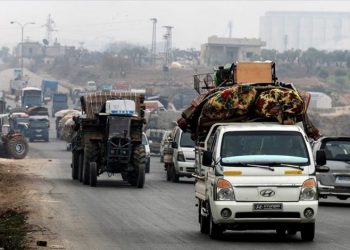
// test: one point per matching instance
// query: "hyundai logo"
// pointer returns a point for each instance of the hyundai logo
(267, 193)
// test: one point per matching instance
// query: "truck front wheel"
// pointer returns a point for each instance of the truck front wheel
(215, 231)
(308, 232)
(90, 155)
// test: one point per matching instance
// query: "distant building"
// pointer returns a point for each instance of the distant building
(320, 100)
(219, 50)
(284, 30)
(34, 49)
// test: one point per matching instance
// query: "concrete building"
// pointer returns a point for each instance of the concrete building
(283, 30)
(219, 50)
(320, 100)
(34, 49)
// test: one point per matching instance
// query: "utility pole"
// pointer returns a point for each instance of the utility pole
(230, 25)
(49, 29)
(22, 45)
(168, 46)
(285, 42)
(81, 45)
(153, 48)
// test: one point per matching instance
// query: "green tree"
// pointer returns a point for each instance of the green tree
(323, 74)
(4, 52)
(192, 54)
(110, 64)
(309, 58)
(270, 55)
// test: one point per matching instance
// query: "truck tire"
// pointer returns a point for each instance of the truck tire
(91, 154)
(75, 165)
(93, 174)
(17, 147)
(203, 221)
(80, 166)
(174, 177)
(308, 232)
(47, 139)
(139, 161)
(168, 172)
(215, 231)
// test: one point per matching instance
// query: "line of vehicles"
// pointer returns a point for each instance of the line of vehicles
(257, 160)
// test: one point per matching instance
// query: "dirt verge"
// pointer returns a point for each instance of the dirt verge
(21, 213)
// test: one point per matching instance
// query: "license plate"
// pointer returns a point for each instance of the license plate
(268, 207)
(39, 135)
(342, 179)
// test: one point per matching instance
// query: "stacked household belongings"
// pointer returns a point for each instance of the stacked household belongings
(229, 101)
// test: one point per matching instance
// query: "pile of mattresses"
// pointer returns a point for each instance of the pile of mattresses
(247, 103)
(42, 111)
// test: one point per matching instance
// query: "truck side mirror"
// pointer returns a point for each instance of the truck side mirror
(322, 169)
(174, 144)
(207, 158)
(321, 157)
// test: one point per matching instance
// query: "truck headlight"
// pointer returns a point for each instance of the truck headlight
(112, 152)
(224, 191)
(180, 156)
(308, 190)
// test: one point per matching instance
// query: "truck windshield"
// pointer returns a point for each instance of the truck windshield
(32, 100)
(264, 147)
(62, 98)
(38, 124)
(22, 120)
(186, 141)
(119, 126)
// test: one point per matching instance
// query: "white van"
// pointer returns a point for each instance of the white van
(183, 156)
(257, 176)
(91, 86)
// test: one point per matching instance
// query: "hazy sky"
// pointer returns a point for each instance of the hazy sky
(97, 23)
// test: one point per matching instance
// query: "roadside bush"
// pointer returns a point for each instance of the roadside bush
(340, 73)
(340, 81)
(323, 73)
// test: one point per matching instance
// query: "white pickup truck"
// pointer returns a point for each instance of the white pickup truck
(257, 176)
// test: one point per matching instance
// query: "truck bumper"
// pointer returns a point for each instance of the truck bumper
(243, 213)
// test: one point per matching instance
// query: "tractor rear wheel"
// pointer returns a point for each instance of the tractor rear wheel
(139, 162)
(80, 166)
(91, 154)
(17, 147)
(75, 165)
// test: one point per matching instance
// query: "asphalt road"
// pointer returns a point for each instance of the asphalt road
(162, 215)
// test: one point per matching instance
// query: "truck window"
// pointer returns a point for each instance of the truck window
(266, 146)
(186, 141)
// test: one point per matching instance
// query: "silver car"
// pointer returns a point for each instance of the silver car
(336, 182)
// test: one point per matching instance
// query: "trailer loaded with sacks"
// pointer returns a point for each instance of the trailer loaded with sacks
(108, 138)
